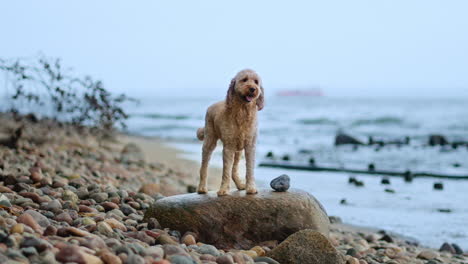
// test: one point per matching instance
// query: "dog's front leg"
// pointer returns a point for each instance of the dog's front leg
(235, 171)
(228, 159)
(250, 164)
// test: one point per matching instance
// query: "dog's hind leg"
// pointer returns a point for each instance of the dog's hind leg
(209, 144)
(235, 171)
(250, 164)
(228, 160)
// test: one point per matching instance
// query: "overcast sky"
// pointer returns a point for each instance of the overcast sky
(360, 48)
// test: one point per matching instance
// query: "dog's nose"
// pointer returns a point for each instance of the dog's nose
(252, 90)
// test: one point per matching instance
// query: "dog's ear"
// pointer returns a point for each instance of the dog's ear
(261, 99)
(231, 91)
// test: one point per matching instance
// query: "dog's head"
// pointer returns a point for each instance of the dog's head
(247, 87)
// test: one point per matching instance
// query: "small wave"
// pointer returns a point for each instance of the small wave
(317, 121)
(462, 127)
(163, 116)
(168, 127)
(386, 120)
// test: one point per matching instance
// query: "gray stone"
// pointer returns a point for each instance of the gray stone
(14, 254)
(115, 213)
(239, 220)
(170, 250)
(225, 259)
(53, 206)
(127, 209)
(137, 248)
(208, 249)
(40, 219)
(4, 201)
(82, 193)
(68, 195)
(266, 260)
(29, 251)
(281, 183)
(99, 197)
(154, 251)
(135, 259)
(39, 244)
(104, 228)
(177, 259)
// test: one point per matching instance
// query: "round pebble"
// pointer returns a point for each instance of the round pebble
(281, 183)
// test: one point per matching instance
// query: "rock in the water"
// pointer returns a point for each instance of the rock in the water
(335, 219)
(281, 183)
(240, 220)
(306, 246)
(447, 248)
(343, 139)
(438, 186)
(385, 181)
(437, 140)
(457, 248)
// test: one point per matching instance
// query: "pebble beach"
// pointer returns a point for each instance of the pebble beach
(70, 196)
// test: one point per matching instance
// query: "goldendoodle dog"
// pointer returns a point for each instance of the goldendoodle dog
(234, 122)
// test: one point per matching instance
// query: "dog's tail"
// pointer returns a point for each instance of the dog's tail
(201, 133)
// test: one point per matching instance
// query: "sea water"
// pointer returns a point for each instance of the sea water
(305, 127)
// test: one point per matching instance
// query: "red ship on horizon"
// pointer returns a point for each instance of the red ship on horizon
(316, 92)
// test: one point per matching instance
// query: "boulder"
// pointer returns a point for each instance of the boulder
(306, 246)
(344, 139)
(239, 220)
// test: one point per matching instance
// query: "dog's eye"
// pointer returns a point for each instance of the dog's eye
(256, 81)
(244, 80)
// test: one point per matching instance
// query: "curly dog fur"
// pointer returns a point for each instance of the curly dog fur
(234, 122)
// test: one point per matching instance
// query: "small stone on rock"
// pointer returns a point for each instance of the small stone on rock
(281, 183)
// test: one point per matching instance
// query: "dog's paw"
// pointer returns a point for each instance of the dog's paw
(251, 190)
(223, 192)
(202, 190)
(240, 186)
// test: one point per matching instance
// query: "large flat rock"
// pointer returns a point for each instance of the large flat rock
(240, 220)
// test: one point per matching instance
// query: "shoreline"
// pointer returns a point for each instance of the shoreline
(159, 150)
(176, 157)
